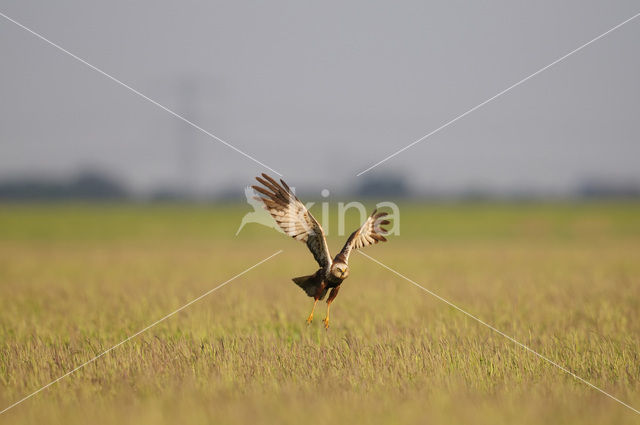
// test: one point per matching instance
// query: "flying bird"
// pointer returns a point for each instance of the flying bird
(296, 221)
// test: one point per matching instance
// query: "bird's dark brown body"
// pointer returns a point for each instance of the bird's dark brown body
(317, 284)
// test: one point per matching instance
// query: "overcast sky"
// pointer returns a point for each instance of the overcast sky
(320, 90)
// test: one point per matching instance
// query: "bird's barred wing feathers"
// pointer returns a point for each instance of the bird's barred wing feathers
(293, 217)
(371, 232)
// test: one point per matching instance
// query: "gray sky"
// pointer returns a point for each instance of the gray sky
(322, 90)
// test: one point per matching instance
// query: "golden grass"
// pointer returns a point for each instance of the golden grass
(563, 279)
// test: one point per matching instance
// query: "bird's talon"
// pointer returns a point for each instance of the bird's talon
(326, 323)
(309, 320)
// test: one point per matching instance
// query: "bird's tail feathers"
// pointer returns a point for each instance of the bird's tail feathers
(309, 284)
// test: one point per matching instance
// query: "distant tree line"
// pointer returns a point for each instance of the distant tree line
(96, 186)
(603, 189)
(89, 186)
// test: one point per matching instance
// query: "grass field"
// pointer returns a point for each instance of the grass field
(77, 279)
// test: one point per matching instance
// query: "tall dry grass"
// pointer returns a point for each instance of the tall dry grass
(563, 279)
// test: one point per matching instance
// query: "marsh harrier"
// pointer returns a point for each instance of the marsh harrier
(296, 221)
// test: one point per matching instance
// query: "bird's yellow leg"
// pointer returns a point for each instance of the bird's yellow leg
(310, 318)
(332, 295)
(326, 319)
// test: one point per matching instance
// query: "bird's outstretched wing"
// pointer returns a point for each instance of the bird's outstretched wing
(293, 217)
(371, 232)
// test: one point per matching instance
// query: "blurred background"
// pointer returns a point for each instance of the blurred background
(319, 91)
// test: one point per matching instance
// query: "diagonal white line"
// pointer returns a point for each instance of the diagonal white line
(548, 360)
(480, 105)
(114, 79)
(139, 332)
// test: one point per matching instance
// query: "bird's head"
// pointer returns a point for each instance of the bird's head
(340, 270)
